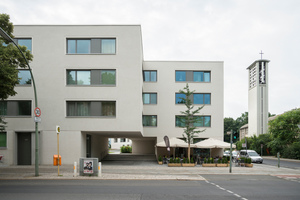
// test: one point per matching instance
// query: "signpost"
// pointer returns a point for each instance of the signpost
(58, 131)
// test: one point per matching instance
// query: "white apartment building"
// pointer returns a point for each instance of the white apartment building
(93, 82)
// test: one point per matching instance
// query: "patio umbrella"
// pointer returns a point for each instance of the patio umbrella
(213, 143)
(175, 142)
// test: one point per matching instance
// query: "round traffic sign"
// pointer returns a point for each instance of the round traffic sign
(37, 112)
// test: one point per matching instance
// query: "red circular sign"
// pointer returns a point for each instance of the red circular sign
(37, 112)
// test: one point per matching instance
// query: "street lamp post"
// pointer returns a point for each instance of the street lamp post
(230, 165)
(9, 39)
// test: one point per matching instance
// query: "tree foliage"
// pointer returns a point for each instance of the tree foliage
(283, 137)
(188, 119)
(10, 61)
(285, 132)
(234, 125)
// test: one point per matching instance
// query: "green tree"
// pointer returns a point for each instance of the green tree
(284, 131)
(10, 61)
(189, 119)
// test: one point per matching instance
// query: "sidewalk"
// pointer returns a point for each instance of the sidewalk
(145, 170)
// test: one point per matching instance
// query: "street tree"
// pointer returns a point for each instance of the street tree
(285, 132)
(189, 117)
(10, 61)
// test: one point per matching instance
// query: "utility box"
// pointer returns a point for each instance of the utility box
(88, 166)
(55, 161)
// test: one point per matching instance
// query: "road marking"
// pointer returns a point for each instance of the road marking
(221, 188)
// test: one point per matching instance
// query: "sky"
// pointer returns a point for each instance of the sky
(233, 31)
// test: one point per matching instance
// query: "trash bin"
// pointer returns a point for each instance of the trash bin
(55, 160)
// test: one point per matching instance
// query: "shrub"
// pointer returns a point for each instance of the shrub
(159, 158)
(177, 160)
(184, 160)
(219, 160)
(205, 161)
(225, 160)
(248, 160)
(211, 160)
(188, 160)
(126, 149)
(171, 160)
(192, 160)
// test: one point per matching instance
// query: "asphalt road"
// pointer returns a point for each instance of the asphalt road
(221, 187)
(283, 163)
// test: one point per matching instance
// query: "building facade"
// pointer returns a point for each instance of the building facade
(93, 82)
(258, 103)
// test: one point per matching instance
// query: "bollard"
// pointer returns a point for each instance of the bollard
(99, 170)
(75, 169)
(278, 156)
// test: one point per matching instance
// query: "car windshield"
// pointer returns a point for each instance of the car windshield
(253, 154)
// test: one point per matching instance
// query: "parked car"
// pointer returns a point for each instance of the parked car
(226, 153)
(255, 157)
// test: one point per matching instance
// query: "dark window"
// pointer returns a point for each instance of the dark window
(91, 108)
(180, 98)
(149, 120)
(201, 121)
(15, 108)
(3, 137)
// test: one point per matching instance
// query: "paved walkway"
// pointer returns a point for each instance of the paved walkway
(135, 170)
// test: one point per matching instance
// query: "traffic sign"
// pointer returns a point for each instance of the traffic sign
(37, 112)
(37, 119)
(57, 129)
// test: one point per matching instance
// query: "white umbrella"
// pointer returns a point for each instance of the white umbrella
(175, 142)
(213, 143)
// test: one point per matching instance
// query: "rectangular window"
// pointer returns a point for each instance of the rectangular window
(149, 120)
(115, 140)
(201, 98)
(150, 76)
(24, 77)
(149, 98)
(108, 46)
(200, 121)
(192, 76)
(180, 75)
(122, 139)
(91, 108)
(3, 139)
(3, 108)
(27, 42)
(15, 108)
(91, 46)
(108, 77)
(180, 98)
(91, 77)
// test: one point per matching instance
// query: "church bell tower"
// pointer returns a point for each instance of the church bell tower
(258, 106)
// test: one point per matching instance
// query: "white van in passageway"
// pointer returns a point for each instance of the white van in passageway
(255, 157)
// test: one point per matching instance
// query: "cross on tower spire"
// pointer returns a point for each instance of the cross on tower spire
(261, 53)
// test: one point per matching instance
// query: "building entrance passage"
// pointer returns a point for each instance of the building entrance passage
(24, 148)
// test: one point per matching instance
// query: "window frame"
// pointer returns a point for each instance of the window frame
(149, 116)
(150, 76)
(94, 42)
(13, 108)
(93, 73)
(150, 98)
(24, 38)
(5, 137)
(201, 116)
(95, 109)
(189, 76)
(192, 98)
